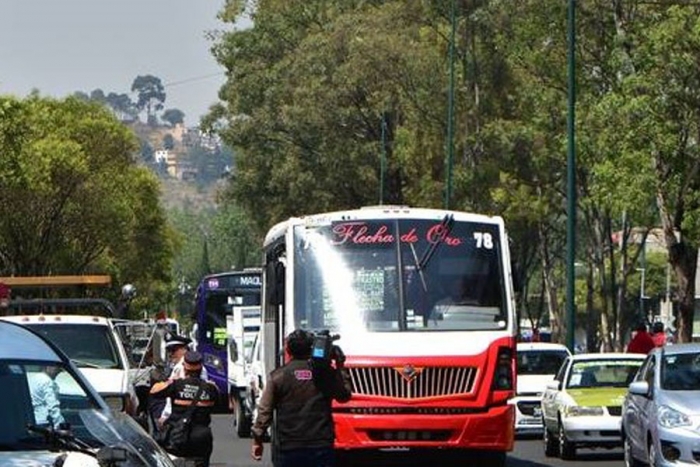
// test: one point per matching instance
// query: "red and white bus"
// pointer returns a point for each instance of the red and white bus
(423, 302)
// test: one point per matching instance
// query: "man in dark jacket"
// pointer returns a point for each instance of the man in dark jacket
(300, 396)
(193, 399)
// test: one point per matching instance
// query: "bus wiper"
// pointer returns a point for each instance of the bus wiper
(61, 438)
(446, 224)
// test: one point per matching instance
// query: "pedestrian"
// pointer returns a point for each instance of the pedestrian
(642, 341)
(299, 396)
(45, 396)
(658, 334)
(193, 400)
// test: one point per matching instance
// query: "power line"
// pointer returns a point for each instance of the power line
(193, 79)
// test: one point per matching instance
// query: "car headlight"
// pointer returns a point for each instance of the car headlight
(583, 411)
(672, 418)
(116, 402)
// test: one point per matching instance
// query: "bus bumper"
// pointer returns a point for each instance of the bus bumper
(491, 430)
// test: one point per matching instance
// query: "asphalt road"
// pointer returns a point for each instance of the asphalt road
(229, 451)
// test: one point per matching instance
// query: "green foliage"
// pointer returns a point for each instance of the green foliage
(173, 116)
(311, 82)
(213, 241)
(72, 200)
(150, 96)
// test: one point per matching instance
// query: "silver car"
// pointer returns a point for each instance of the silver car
(661, 412)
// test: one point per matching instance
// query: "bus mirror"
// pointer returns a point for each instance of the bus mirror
(275, 282)
(517, 278)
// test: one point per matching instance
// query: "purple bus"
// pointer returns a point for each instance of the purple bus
(216, 296)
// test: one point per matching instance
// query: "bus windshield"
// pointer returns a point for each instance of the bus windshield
(399, 275)
(217, 304)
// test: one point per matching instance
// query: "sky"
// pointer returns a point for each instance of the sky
(62, 46)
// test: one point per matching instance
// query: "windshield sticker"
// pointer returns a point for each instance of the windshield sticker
(369, 288)
(213, 283)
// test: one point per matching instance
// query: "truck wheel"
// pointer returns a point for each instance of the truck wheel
(241, 420)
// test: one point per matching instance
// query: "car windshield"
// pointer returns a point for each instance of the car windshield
(44, 394)
(603, 373)
(540, 362)
(681, 372)
(399, 275)
(88, 345)
(40, 397)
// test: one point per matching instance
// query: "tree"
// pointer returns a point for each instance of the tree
(122, 106)
(72, 199)
(168, 141)
(173, 117)
(150, 96)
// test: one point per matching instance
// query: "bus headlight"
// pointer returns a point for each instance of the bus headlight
(214, 362)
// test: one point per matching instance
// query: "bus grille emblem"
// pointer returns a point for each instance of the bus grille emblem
(409, 372)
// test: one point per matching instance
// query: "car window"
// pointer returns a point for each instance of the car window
(643, 369)
(650, 371)
(562, 370)
(88, 345)
(602, 373)
(681, 372)
(540, 362)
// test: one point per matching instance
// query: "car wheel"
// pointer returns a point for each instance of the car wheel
(551, 448)
(567, 450)
(630, 461)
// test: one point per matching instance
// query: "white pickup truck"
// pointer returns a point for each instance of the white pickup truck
(93, 345)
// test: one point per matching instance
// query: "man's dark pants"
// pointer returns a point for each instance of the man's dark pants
(305, 457)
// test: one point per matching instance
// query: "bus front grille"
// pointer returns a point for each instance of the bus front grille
(410, 382)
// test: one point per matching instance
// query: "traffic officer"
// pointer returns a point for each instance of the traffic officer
(192, 398)
(176, 347)
(299, 396)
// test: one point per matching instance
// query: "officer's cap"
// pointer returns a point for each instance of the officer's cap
(176, 341)
(193, 360)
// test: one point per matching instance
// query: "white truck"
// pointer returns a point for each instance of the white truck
(242, 326)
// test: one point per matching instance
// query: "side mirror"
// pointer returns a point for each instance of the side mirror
(111, 455)
(639, 388)
(554, 385)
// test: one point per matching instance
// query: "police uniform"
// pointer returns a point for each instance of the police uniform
(182, 393)
(300, 397)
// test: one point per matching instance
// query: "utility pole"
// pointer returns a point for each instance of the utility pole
(382, 169)
(571, 182)
(450, 110)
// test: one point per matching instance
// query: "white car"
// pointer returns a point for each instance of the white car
(93, 345)
(582, 406)
(536, 365)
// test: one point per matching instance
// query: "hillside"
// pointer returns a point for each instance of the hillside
(179, 194)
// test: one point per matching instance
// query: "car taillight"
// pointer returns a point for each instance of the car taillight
(503, 377)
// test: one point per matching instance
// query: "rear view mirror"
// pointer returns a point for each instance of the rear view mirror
(639, 388)
(554, 385)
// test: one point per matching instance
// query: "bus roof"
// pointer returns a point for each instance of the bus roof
(376, 212)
